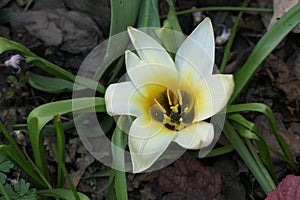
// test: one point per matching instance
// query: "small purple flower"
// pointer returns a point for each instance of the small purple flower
(223, 38)
(14, 62)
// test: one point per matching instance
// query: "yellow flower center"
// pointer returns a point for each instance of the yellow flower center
(174, 111)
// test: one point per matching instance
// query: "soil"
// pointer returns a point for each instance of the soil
(276, 84)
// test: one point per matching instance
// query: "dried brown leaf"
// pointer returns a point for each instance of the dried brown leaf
(188, 179)
(280, 7)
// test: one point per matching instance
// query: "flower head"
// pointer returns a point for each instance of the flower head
(223, 38)
(14, 62)
(169, 98)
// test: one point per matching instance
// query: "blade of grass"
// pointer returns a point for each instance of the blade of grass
(43, 114)
(61, 193)
(264, 47)
(231, 39)
(262, 147)
(60, 150)
(239, 146)
(261, 143)
(266, 110)
(215, 152)
(3, 192)
(17, 156)
(24, 165)
(49, 84)
(223, 8)
(66, 174)
(119, 139)
(12, 142)
(149, 14)
(172, 19)
(123, 14)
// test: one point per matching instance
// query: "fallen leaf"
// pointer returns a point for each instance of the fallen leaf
(288, 189)
(188, 179)
(290, 138)
(280, 7)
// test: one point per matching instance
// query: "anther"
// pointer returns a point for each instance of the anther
(160, 106)
(179, 97)
(169, 97)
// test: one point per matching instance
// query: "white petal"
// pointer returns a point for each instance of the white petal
(196, 136)
(212, 94)
(124, 99)
(147, 147)
(195, 57)
(149, 50)
(145, 127)
(153, 74)
(132, 60)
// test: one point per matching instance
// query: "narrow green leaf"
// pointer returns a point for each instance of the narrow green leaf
(124, 13)
(149, 14)
(47, 66)
(259, 163)
(61, 193)
(43, 114)
(216, 151)
(66, 175)
(223, 8)
(24, 165)
(266, 110)
(239, 146)
(119, 140)
(261, 143)
(49, 84)
(231, 39)
(60, 150)
(172, 20)
(264, 47)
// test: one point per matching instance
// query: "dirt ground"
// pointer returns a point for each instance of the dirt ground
(64, 32)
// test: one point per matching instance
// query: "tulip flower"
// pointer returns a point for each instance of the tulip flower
(169, 98)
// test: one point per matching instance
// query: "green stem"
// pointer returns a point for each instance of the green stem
(231, 39)
(225, 8)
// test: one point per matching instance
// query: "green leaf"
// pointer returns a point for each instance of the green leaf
(24, 165)
(60, 150)
(21, 190)
(47, 66)
(119, 139)
(264, 47)
(51, 85)
(5, 166)
(172, 20)
(266, 110)
(239, 146)
(149, 14)
(124, 13)
(38, 118)
(61, 193)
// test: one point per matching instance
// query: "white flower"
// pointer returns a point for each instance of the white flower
(14, 62)
(170, 99)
